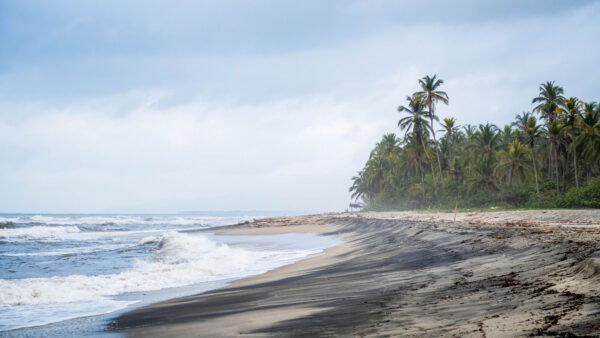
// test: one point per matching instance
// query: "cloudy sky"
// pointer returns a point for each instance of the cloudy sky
(114, 106)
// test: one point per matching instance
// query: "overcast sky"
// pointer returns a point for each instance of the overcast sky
(114, 106)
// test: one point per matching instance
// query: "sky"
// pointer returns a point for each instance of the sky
(148, 107)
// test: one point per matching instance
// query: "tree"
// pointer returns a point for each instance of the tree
(513, 164)
(548, 99)
(533, 131)
(476, 162)
(588, 137)
(570, 111)
(431, 95)
(416, 124)
(486, 140)
(451, 130)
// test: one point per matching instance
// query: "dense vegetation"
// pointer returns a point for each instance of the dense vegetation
(546, 158)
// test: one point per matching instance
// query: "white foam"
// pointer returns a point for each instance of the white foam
(120, 220)
(37, 232)
(43, 233)
(15, 317)
(181, 259)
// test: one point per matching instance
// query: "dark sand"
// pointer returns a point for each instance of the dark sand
(402, 278)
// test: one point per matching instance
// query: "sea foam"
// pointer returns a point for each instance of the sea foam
(37, 232)
(180, 259)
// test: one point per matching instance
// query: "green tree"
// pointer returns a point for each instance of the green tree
(588, 137)
(417, 126)
(546, 103)
(431, 94)
(533, 131)
(569, 109)
(513, 165)
(549, 98)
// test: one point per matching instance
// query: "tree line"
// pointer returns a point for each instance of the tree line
(549, 157)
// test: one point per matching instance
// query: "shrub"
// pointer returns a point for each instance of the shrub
(481, 198)
(583, 197)
(516, 196)
(545, 199)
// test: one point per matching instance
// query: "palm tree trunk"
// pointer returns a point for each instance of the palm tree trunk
(431, 164)
(537, 188)
(550, 161)
(437, 150)
(556, 166)
(565, 167)
(575, 165)
(421, 172)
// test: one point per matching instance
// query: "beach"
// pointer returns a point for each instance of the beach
(515, 273)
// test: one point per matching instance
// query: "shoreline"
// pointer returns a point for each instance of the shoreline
(406, 274)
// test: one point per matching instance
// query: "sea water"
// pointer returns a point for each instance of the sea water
(87, 268)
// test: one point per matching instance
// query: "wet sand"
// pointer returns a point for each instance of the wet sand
(531, 274)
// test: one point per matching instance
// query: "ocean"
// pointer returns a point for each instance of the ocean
(69, 274)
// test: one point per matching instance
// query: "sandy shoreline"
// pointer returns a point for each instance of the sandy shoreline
(411, 274)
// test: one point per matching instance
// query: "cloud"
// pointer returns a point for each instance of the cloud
(277, 108)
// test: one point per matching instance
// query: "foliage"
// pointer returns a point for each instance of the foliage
(583, 197)
(545, 164)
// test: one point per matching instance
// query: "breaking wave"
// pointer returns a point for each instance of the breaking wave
(179, 260)
(38, 231)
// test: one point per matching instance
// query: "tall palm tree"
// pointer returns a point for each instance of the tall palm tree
(469, 130)
(451, 129)
(431, 94)
(416, 124)
(533, 131)
(589, 136)
(556, 131)
(570, 111)
(548, 99)
(513, 165)
(389, 145)
(508, 135)
(522, 120)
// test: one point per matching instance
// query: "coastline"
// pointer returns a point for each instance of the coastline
(403, 273)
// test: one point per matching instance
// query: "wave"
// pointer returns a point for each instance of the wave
(179, 260)
(37, 232)
(35, 315)
(70, 251)
(118, 220)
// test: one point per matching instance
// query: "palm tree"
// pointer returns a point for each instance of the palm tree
(431, 95)
(513, 165)
(482, 179)
(533, 131)
(358, 188)
(486, 140)
(548, 99)
(589, 135)
(416, 124)
(522, 120)
(469, 130)
(570, 110)
(451, 130)
(508, 134)
(389, 145)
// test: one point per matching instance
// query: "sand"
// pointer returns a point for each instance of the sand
(493, 274)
